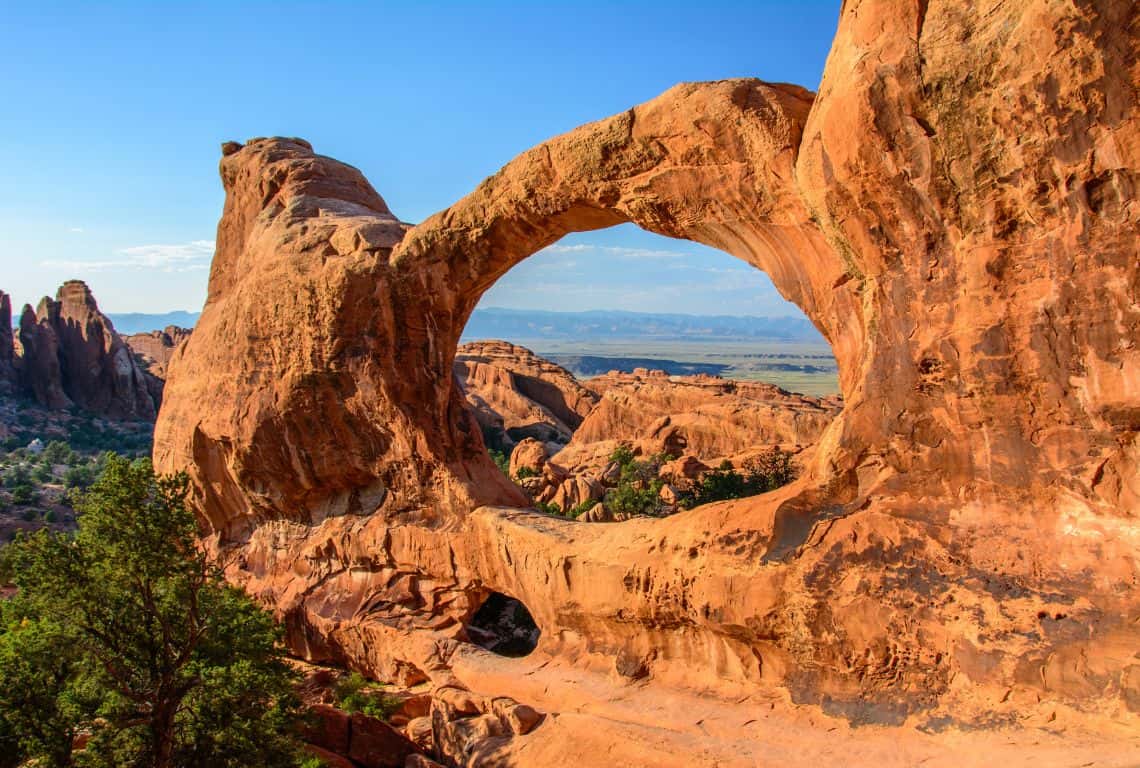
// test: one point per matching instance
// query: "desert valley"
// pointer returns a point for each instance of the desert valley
(901, 530)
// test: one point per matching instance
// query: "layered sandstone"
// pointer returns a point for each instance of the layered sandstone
(516, 394)
(955, 212)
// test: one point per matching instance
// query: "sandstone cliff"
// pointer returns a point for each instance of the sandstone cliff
(516, 394)
(955, 211)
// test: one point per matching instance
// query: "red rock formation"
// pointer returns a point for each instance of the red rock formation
(705, 416)
(954, 211)
(155, 349)
(39, 368)
(517, 394)
(72, 354)
(528, 458)
(9, 380)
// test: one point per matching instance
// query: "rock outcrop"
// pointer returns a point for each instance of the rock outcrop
(516, 394)
(705, 416)
(9, 380)
(40, 374)
(72, 355)
(155, 349)
(955, 211)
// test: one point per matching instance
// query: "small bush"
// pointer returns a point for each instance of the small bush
(24, 493)
(581, 509)
(353, 695)
(79, 477)
(525, 472)
(57, 452)
(502, 461)
(548, 507)
(638, 491)
(764, 473)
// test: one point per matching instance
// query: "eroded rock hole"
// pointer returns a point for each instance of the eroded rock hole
(503, 625)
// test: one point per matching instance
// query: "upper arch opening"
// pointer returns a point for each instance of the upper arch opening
(635, 375)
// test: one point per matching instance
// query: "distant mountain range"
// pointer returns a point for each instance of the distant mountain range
(127, 323)
(497, 323)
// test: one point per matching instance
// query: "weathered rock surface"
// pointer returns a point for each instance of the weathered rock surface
(71, 354)
(955, 211)
(703, 416)
(516, 394)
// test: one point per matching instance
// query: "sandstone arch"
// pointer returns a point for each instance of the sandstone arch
(960, 228)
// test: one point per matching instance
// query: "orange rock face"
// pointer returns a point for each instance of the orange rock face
(955, 211)
(516, 394)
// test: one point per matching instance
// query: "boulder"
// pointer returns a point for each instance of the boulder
(375, 744)
(528, 458)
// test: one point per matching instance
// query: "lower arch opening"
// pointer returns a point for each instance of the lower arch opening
(504, 626)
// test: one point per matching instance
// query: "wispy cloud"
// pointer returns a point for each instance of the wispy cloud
(646, 254)
(80, 230)
(180, 257)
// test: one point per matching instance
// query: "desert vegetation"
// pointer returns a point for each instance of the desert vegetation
(122, 644)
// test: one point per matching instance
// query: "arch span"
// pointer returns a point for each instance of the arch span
(965, 240)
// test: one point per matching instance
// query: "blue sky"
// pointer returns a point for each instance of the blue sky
(111, 117)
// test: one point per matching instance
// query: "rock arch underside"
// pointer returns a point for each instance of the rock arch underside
(956, 212)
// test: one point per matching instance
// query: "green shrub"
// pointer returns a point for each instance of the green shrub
(353, 695)
(502, 461)
(79, 477)
(57, 452)
(638, 488)
(548, 507)
(525, 472)
(127, 632)
(25, 493)
(581, 509)
(767, 472)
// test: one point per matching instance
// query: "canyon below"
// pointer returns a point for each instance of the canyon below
(938, 563)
